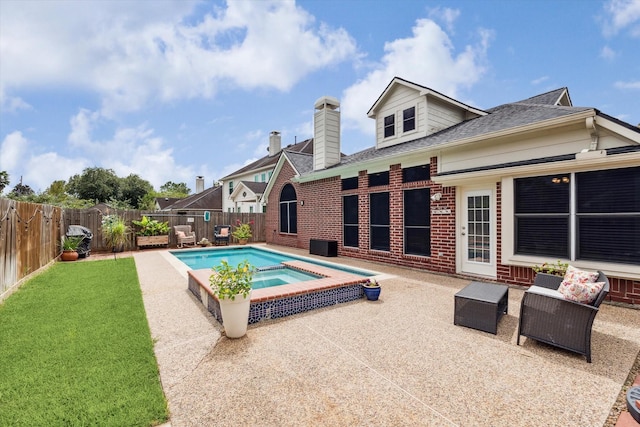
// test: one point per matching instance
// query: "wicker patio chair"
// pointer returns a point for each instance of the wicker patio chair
(221, 234)
(187, 236)
(556, 321)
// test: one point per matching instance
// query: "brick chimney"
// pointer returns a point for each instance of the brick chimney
(326, 133)
(275, 142)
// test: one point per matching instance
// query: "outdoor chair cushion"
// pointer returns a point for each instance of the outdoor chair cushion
(224, 232)
(575, 276)
(181, 234)
(580, 286)
(585, 293)
(545, 291)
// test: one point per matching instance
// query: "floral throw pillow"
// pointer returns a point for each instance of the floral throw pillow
(580, 286)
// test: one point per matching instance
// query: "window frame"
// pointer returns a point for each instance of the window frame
(622, 263)
(351, 226)
(376, 227)
(408, 224)
(413, 119)
(291, 206)
(391, 126)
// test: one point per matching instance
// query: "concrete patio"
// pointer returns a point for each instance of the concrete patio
(397, 361)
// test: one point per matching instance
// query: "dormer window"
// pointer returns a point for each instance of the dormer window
(389, 126)
(408, 119)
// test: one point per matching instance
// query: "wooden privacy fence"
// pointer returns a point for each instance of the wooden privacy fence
(92, 219)
(29, 239)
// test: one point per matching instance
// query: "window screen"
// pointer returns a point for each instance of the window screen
(350, 220)
(417, 222)
(379, 221)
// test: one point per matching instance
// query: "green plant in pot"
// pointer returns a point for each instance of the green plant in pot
(114, 232)
(558, 268)
(371, 289)
(69, 247)
(242, 232)
(151, 232)
(232, 287)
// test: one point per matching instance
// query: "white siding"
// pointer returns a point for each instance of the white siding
(432, 115)
(545, 144)
(441, 116)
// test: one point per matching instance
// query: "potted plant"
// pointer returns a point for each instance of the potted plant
(151, 232)
(114, 232)
(232, 288)
(242, 232)
(69, 248)
(204, 242)
(557, 269)
(371, 289)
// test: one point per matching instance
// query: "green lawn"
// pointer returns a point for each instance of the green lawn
(75, 350)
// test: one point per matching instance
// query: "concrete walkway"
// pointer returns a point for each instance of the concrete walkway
(397, 361)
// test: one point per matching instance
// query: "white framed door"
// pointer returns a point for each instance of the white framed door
(478, 233)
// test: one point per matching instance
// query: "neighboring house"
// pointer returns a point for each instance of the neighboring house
(164, 202)
(205, 200)
(481, 193)
(243, 189)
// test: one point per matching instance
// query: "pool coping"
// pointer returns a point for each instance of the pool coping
(332, 278)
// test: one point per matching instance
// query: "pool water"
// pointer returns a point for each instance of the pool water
(208, 258)
(280, 276)
(259, 258)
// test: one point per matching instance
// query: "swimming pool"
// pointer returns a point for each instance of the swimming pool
(259, 258)
(330, 283)
(280, 276)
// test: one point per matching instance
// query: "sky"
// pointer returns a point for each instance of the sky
(171, 90)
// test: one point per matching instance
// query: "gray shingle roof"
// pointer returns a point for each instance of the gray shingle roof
(499, 118)
(305, 146)
(211, 198)
(302, 162)
(548, 98)
(256, 187)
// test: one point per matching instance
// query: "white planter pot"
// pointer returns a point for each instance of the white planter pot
(235, 315)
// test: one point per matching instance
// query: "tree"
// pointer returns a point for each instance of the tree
(97, 184)
(56, 189)
(172, 189)
(133, 189)
(20, 191)
(4, 180)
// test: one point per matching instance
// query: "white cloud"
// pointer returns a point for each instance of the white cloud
(13, 149)
(539, 80)
(628, 85)
(620, 15)
(135, 150)
(134, 52)
(39, 170)
(608, 53)
(428, 58)
(42, 169)
(446, 15)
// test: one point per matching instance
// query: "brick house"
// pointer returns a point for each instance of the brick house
(479, 193)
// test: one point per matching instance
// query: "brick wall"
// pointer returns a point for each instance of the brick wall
(321, 217)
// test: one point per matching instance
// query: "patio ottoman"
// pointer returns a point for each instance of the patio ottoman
(481, 305)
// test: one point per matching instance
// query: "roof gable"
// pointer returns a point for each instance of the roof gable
(268, 162)
(210, 198)
(557, 97)
(422, 91)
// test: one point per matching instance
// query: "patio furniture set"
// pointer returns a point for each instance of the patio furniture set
(546, 315)
(186, 236)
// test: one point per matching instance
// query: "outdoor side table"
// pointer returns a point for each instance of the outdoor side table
(480, 306)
